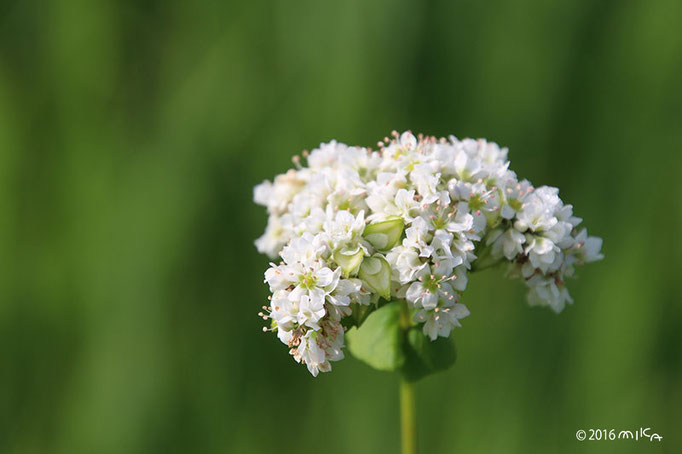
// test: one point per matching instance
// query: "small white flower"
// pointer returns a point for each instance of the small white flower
(343, 228)
(417, 236)
(509, 244)
(537, 212)
(425, 181)
(276, 196)
(341, 296)
(332, 340)
(405, 204)
(304, 250)
(466, 166)
(284, 311)
(310, 308)
(429, 289)
(310, 354)
(441, 320)
(546, 292)
(275, 237)
(514, 195)
(405, 263)
(475, 199)
(408, 141)
(588, 249)
(541, 251)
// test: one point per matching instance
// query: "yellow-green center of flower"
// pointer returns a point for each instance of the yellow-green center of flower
(307, 280)
(431, 281)
(439, 222)
(476, 202)
(515, 204)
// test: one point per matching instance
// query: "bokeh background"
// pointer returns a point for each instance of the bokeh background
(132, 133)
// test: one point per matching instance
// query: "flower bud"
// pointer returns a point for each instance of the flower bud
(383, 235)
(349, 260)
(376, 274)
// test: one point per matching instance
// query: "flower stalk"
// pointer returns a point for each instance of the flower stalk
(408, 405)
(408, 417)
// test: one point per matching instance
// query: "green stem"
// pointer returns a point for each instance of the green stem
(408, 417)
(408, 406)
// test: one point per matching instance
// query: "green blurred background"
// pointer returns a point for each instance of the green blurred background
(132, 133)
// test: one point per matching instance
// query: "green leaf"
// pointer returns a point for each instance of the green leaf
(376, 273)
(386, 343)
(384, 234)
(425, 357)
(379, 341)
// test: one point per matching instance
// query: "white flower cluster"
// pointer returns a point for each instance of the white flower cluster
(408, 222)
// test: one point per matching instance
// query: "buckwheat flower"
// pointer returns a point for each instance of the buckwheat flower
(284, 312)
(304, 250)
(262, 194)
(540, 251)
(444, 257)
(436, 213)
(460, 279)
(358, 229)
(493, 158)
(305, 274)
(408, 141)
(463, 244)
(344, 290)
(331, 340)
(538, 210)
(513, 196)
(429, 289)
(310, 309)
(587, 249)
(276, 196)
(405, 205)
(476, 199)
(425, 181)
(547, 292)
(441, 320)
(467, 166)
(461, 220)
(291, 310)
(312, 222)
(510, 244)
(405, 263)
(274, 238)
(311, 354)
(328, 155)
(443, 155)
(342, 189)
(382, 194)
(343, 228)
